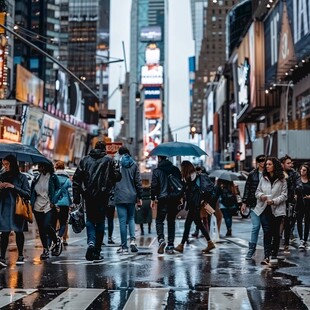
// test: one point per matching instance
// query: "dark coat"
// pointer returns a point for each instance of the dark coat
(159, 184)
(250, 189)
(8, 220)
(294, 186)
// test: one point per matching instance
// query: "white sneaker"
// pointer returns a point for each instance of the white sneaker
(133, 246)
(122, 251)
(302, 245)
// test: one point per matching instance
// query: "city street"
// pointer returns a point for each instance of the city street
(222, 279)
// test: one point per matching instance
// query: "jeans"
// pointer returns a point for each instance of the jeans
(110, 217)
(271, 228)
(62, 217)
(95, 232)
(255, 219)
(126, 215)
(227, 216)
(166, 208)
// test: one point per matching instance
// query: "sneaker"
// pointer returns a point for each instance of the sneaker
(161, 246)
(169, 249)
(302, 245)
(58, 247)
(179, 248)
(2, 262)
(110, 241)
(97, 258)
(228, 234)
(122, 251)
(286, 250)
(20, 260)
(64, 242)
(45, 255)
(90, 253)
(273, 261)
(265, 261)
(133, 246)
(306, 245)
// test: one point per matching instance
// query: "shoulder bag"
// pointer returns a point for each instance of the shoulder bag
(23, 209)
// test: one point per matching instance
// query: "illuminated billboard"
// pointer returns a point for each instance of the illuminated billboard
(152, 75)
(150, 34)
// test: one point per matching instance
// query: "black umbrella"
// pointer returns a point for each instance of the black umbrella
(177, 149)
(224, 175)
(23, 152)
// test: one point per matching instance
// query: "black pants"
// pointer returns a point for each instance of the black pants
(62, 216)
(20, 240)
(303, 213)
(166, 208)
(110, 217)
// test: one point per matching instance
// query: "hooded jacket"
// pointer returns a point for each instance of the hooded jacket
(129, 189)
(95, 176)
(65, 192)
(159, 185)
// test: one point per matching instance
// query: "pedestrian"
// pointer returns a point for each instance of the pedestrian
(227, 195)
(94, 179)
(271, 195)
(303, 207)
(166, 206)
(143, 213)
(294, 190)
(110, 216)
(12, 182)
(198, 190)
(128, 194)
(61, 210)
(44, 195)
(249, 201)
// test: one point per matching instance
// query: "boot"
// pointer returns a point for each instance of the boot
(142, 229)
(228, 234)
(150, 225)
(179, 248)
(251, 251)
(210, 247)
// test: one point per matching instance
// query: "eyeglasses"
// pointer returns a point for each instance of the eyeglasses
(261, 160)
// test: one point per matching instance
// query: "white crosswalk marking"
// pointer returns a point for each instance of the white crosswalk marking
(9, 295)
(303, 293)
(74, 298)
(232, 298)
(147, 298)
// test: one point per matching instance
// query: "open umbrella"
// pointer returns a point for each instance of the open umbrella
(224, 175)
(177, 149)
(23, 152)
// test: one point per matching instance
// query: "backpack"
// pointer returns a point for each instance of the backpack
(228, 199)
(175, 187)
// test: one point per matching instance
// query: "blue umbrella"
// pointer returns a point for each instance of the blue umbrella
(23, 152)
(177, 149)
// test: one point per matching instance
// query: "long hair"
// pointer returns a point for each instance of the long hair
(308, 170)
(48, 167)
(187, 169)
(14, 169)
(278, 170)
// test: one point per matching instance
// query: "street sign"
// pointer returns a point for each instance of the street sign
(113, 147)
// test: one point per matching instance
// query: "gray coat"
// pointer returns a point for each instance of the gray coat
(8, 220)
(277, 192)
(129, 188)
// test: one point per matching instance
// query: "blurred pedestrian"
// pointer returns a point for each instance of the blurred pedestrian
(249, 201)
(44, 192)
(294, 192)
(94, 179)
(12, 182)
(166, 206)
(61, 210)
(303, 207)
(198, 190)
(143, 213)
(128, 193)
(110, 216)
(271, 195)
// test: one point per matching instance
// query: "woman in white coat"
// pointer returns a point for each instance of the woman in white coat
(271, 195)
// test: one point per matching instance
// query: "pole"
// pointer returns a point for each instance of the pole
(290, 84)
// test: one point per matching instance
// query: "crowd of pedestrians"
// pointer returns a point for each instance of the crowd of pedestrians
(277, 195)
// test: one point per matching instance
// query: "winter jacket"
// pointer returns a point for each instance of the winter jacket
(159, 184)
(65, 192)
(250, 188)
(294, 186)
(277, 192)
(94, 177)
(53, 188)
(129, 188)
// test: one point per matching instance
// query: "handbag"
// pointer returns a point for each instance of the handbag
(77, 219)
(205, 207)
(23, 209)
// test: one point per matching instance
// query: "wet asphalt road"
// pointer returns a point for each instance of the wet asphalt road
(222, 279)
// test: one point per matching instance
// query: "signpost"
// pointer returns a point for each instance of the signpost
(113, 147)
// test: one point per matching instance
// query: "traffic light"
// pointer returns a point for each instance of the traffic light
(193, 131)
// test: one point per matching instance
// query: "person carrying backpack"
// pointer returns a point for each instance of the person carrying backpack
(199, 188)
(167, 206)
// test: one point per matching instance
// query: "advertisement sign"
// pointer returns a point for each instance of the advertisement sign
(2, 61)
(152, 54)
(65, 142)
(48, 136)
(29, 88)
(32, 127)
(7, 107)
(9, 129)
(62, 92)
(113, 147)
(150, 34)
(152, 75)
(153, 134)
(153, 108)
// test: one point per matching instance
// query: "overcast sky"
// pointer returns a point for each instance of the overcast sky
(181, 46)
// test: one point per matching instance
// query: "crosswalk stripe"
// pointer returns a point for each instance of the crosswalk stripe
(147, 298)
(74, 298)
(9, 295)
(233, 298)
(303, 293)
